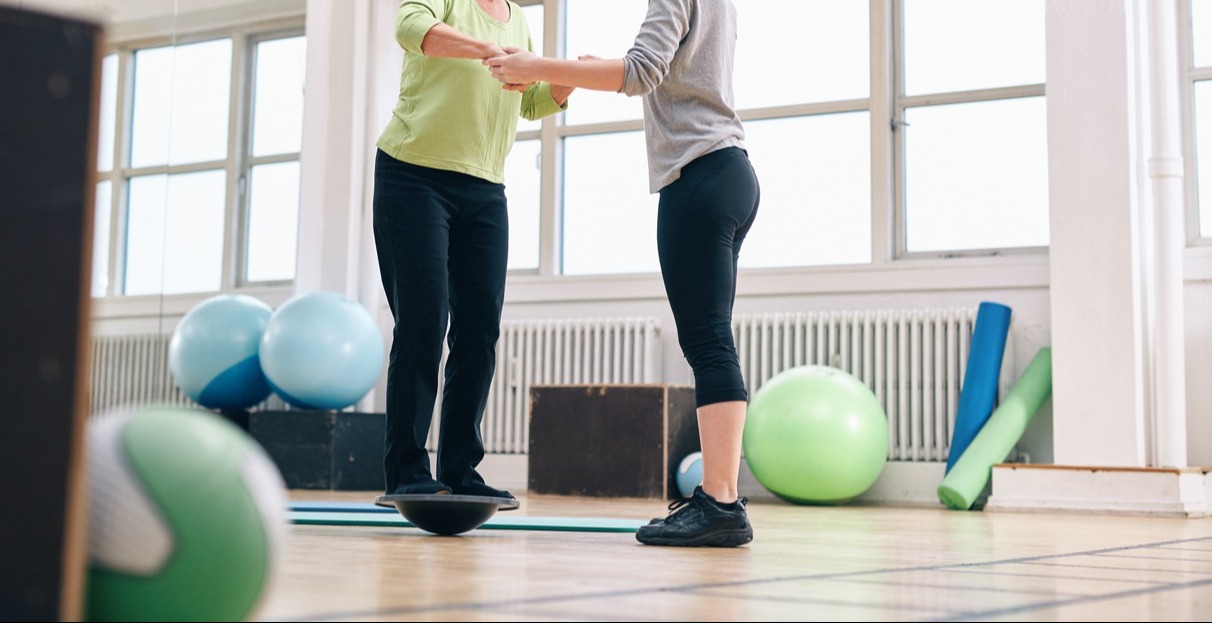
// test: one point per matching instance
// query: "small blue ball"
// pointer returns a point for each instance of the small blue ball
(690, 473)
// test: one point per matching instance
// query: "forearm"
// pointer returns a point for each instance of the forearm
(447, 42)
(561, 93)
(596, 75)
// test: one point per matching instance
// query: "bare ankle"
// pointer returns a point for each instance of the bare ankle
(723, 496)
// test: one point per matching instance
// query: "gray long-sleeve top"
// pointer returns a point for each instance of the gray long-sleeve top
(682, 64)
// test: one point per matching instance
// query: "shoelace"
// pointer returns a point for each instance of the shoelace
(678, 504)
(681, 503)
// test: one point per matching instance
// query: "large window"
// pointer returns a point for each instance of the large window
(523, 172)
(198, 164)
(972, 125)
(1198, 63)
(807, 129)
(880, 131)
(606, 204)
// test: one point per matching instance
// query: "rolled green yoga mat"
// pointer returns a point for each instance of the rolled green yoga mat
(964, 483)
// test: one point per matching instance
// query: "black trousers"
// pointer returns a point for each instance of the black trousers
(702, 220)
(443, 247)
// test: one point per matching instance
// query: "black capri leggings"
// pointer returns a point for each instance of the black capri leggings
(702, 221)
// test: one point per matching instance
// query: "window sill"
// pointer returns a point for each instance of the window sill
(911, 275)
(176, 305)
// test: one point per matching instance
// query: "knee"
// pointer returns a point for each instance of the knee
(709, 345)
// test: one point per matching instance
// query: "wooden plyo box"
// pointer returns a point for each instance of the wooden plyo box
(610, 440)
(332, 450)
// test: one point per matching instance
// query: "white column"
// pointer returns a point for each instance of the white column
(335, 152)
(1165, 170)
(1098, 298)
(1118, 239)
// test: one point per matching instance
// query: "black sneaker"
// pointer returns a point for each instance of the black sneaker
(700, 521)
(422, 487)
(481, 489)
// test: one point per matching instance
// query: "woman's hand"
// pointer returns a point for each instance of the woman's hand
(516, 67)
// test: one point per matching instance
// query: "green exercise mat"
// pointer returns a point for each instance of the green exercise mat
(341, 507)
(964, 483)
(394, 519)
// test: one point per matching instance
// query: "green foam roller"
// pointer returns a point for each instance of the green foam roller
(964, 483)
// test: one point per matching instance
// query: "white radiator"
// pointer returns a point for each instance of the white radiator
(133, 370)
(914, 361)
(552, 352)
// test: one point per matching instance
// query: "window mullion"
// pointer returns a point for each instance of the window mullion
(233, 247)
(967, 97)
(894, 125)
(1187, 104)
(251, 161)
(882, 109)
(799, 110)
(119, 211)
(551, 173)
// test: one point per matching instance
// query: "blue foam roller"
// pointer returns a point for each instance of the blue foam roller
(978, 396)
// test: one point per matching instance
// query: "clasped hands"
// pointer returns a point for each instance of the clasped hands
(515, 68)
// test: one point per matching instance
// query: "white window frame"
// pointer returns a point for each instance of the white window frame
(904, 102)
(891, 268)
(237, 165)
(1191, 75)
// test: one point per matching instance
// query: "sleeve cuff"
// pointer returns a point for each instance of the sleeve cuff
(412, 30)
(545, 103)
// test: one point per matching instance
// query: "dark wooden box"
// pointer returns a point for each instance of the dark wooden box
(333, 450)
(610, 440)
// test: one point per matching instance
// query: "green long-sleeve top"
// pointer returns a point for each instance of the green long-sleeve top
(452, 114)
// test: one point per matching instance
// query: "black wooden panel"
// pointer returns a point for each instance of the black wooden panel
(357, 457)
(604, 440)
(48, 80)
(328, 450)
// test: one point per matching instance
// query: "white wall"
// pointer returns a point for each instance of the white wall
(1198, 311)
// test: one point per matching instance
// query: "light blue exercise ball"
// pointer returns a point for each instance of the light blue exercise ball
(212, 354)
(690, 473)
(321, 351)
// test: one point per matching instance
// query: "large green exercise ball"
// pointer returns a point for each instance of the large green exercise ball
(187, 517)
(816, 435)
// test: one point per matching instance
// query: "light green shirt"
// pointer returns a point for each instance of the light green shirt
(452, 114)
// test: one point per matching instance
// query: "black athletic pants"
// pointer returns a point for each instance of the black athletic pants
(702, 221)
(443, 246)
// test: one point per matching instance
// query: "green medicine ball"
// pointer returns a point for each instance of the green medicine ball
(186, 517)
(816, 435)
